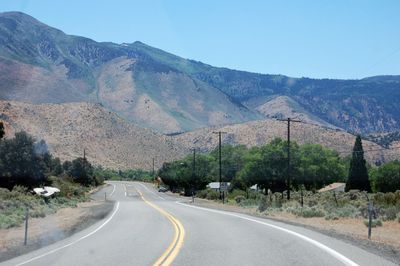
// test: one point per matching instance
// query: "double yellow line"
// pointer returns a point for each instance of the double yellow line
(179, 234)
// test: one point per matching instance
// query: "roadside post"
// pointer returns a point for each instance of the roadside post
(370, 209)
(223, 189)
(26, 226)
(105, 196)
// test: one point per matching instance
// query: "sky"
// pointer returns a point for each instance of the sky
(317, 39)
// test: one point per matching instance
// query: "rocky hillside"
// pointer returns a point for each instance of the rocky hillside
(113, 142)
(145, 85)
(108, 139)
(261, 132)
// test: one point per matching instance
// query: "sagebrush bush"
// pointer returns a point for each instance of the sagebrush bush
(390, 213)
(263, 205)
(235, 193)
(306, 211)
(331, 216)
(13, 204)
(374, 223)
(239, 199)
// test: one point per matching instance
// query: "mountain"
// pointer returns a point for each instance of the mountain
(40, 64)
(256, 133)
(156, 89)
(113, 142)
(109, 140)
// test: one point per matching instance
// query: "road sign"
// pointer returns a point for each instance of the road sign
(224, 186)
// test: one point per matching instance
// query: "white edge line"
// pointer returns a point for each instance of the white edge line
(151, 191)
(332, 252)
(112, 192)
(73, 242)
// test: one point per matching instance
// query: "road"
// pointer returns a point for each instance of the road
(151, 228)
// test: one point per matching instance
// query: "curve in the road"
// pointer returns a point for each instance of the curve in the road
(335, 254)
(173, 249)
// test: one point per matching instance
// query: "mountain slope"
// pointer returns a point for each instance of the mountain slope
(257, 133)
(40, 64)
(112, 142)
(108, 139)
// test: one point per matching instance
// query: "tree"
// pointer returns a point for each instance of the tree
(20, 163)
(82, 171)
(2, 132)
(232, 160)
(387, 177)
(179, 174)
(319, 167)
(358, 173)
(266, 165)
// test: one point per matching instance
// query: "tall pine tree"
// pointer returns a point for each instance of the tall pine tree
(358, 173)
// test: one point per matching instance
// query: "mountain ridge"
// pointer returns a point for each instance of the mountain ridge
(41, 64)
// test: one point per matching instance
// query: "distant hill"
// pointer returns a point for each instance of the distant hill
(256, 133)
(109, 140)
(156, 89)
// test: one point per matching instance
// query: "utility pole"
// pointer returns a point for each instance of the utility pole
(153, 168)
(84, 154)
(193, 173)
(221, 193)
(288, 154)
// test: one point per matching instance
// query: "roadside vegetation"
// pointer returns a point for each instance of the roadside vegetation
(126, 175)
(312, 168)
(25, 164)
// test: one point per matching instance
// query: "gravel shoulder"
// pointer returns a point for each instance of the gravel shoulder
(385, 240)
(52, 228)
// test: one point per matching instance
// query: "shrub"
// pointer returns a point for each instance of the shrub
(306, 211)
(212, 194)
(331, 216)
(239, 199)
(262, 206)
(374, 223)
(390, 213)
(235, 193)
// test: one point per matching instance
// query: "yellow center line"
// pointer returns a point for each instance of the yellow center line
(179, 234)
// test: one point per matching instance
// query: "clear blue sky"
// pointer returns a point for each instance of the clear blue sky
(319, 39)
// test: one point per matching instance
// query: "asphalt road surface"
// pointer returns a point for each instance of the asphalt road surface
(151, 228)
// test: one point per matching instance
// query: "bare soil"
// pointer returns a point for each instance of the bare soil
(52, 228)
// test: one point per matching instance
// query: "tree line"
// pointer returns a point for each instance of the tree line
(27, 162)
(312, 167)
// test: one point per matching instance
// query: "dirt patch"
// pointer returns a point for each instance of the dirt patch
(385, 240)
(52, 228)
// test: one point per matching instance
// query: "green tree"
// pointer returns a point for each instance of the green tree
(20, 162)
(319, 167)
(179, 174)
(232, 161)
(81, 171)
(358, 173)
(266, 165)
(387, 177)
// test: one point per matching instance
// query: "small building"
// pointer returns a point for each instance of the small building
(337, 187)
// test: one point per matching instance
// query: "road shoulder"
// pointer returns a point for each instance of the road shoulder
(387, 251)
(52, 228)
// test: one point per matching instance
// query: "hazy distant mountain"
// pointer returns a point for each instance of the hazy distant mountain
(40, 64)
